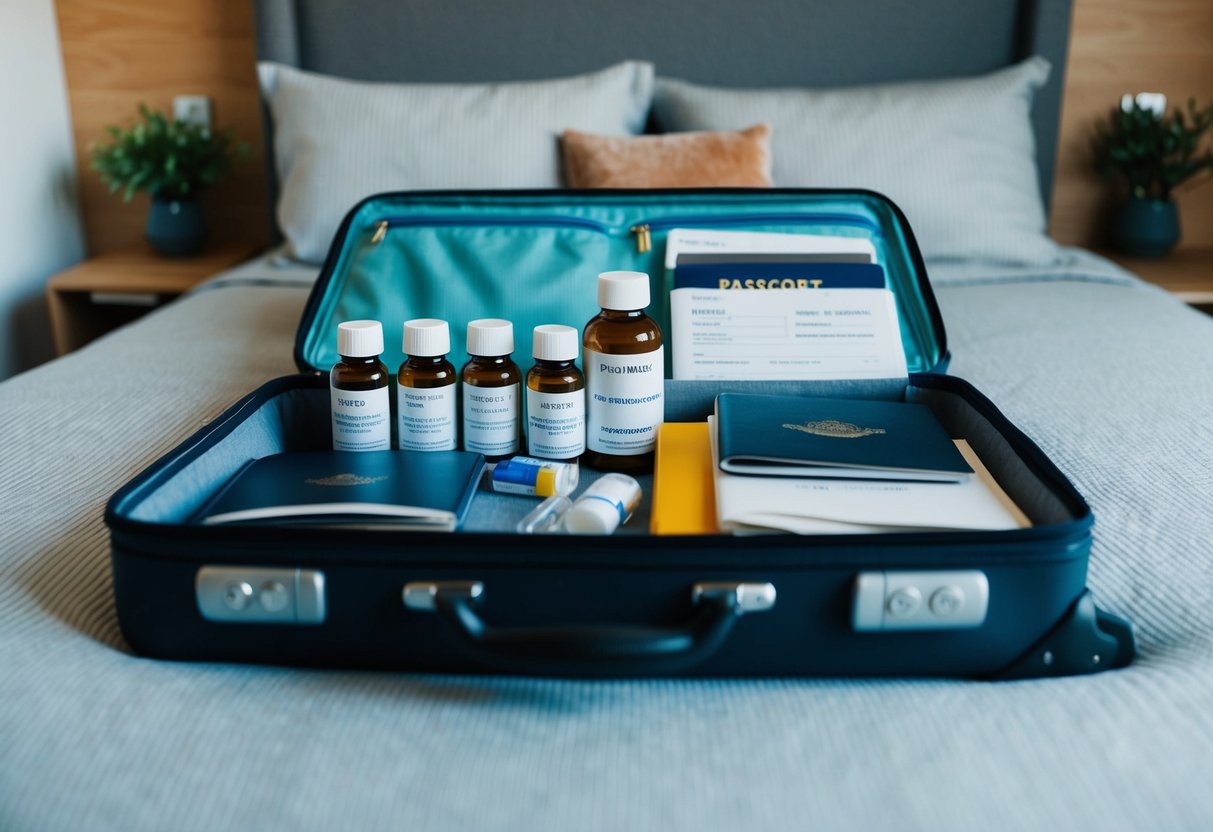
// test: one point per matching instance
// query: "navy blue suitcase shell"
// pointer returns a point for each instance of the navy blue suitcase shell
(485, 599)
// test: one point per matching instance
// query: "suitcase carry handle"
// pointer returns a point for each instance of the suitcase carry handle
(591, 651)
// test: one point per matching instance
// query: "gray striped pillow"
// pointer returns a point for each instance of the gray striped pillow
(957, 155)
(337, 141)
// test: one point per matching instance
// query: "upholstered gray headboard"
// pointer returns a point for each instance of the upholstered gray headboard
(739, 43)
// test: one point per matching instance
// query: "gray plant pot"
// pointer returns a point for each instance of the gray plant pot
(176, 227)
(1146, 227)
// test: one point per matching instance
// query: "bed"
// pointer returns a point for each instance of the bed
(1109, 375)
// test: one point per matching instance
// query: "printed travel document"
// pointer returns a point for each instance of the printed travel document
(785, 274)
(699, 259)
(763, 305)
(785, 334)
(706, 241)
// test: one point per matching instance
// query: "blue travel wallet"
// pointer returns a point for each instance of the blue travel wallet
(810, 436)
(404, 489)
(799, 275)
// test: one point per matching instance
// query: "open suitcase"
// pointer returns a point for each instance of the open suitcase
(484, 599)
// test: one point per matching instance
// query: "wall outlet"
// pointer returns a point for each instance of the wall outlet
(193, 109)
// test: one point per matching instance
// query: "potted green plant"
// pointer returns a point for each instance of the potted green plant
(1151, 153)
(174, 161)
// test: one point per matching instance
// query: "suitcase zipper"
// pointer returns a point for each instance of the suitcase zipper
(644, 239)
(382, 226)
(642, 231)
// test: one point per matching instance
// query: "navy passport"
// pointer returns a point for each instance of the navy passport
(777, 275)
(809, 436)
(425, 490)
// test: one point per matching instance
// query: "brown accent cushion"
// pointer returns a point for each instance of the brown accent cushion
(727, 158)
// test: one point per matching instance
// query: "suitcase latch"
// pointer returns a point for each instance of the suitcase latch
(926, 600)
(256, 595)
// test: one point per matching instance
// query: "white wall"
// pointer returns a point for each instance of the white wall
(39, 222)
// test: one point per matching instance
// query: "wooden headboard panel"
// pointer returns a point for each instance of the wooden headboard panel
(819, 43)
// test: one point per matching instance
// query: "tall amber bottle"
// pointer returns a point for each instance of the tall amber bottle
(492, 396)
(625, 376)
(358, 389)
(425, 389)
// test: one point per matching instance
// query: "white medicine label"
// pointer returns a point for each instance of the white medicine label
(425, 418)
(362, 420)
(625, 401)
(490, 419)
(555, 424)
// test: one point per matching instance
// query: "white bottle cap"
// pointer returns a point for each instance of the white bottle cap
(592, 516)
(609, 501)
(556, 342)
(623, 291)
(490, 337)
(359, 339)
(426, 337)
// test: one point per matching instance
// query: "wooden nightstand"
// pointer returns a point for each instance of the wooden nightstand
(109, 290)
(1185, 273)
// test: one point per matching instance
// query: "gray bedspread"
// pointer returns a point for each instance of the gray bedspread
(1114, 379)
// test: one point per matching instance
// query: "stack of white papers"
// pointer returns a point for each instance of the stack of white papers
(707, 241)
(757, 505)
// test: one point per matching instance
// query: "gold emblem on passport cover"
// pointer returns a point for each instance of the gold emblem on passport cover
(835, 429)
(346, 479)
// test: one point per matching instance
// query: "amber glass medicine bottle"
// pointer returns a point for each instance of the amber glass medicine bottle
(492, 398)
(625, 376)
(358, 388)
(425, 388)
(555, 395)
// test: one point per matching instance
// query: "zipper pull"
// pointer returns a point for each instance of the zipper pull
(644, 238)
(380, 232)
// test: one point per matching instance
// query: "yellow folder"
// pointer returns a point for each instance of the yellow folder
(684, 496)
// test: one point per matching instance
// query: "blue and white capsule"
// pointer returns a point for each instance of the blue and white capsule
(535, 477)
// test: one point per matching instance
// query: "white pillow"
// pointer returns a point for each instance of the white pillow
(337, 141)
(957, 156)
